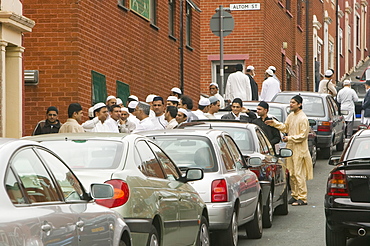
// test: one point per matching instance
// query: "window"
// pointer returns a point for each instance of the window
(299, 74)
(188, 23)
(238, 158)
(340, 41)
(171, 17)
(145, 8)
(299, 13)
(229, 67)
(99, 87)
(358, 31)
(153, 12)
(349, 37)
(287, 5)
(168, 167)
(149, 165)
(122, 91)
(264, 149)
(225, 154)
(13, 188)
(331, 54)
(122, 3)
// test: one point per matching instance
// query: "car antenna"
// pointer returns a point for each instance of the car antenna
(210, 126)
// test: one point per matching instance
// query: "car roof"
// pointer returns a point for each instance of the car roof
(365, 133)
(218, 122)
(188, 132)
(271, 104)
(76, 136)
(304, 93)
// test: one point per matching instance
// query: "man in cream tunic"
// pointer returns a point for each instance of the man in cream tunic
(300, 163)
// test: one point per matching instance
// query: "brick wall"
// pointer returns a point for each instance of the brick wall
(71, 38)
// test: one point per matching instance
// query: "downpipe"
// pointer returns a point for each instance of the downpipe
(361, 232)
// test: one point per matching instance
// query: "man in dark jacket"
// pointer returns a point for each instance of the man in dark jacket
(272, 133)
(236, 109)
(365, 113)
(50, 125)
(254, 86)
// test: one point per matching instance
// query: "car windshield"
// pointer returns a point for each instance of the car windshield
(277, 112)
(189, 151)
(359, 88)
(360, 148)
(89, 154)
(313, 106)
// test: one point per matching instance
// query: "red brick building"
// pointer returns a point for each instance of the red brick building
(85, 50)
(277, 33)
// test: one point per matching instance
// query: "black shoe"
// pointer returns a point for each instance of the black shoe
(291, 200)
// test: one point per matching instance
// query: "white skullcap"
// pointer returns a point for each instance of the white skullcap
(119, 101)
(176, 90)
(150, 98)
(204, 102)
(91, 112)
(328, 73)
(110, 97)
(134, 98)
(133, 104)
(346, 82)
(182, 110)
(213, 99)
(173, 99)
(269, 72)
(215, 84)
(252, 68)
(272, 68)
(99, 105)
(123, 109)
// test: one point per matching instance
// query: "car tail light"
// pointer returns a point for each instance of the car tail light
(324, 126)
(337, 184)
(219, 191)
(120, 196)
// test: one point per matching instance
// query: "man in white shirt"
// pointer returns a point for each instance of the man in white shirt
(213, 91)
(149, 100)
(125, 125)
(159, 121)
(274, 76)
(112, 121)
(347, 98)
(203, 107)
(238, 85)
(182, 115)
(131, 109)
(97, 124)
(142, 113)
(270, 87)
(214, 107)
(172, 101)
(327, 85)
(170, 116)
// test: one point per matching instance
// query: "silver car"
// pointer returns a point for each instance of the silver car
(231, 191)
(158, 205)
(43, 203)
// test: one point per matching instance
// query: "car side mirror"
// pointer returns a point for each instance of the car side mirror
(311, 122)
(254, 161)
(101, 191)
(192, 174)
(334, 160)
(285, 152)
(358, 77)
(344, 112)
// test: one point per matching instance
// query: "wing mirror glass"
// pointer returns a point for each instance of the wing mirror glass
(334, 160)
(192, 174)
(311, 122)
(285, 152)
(102, 191)
(254, 161)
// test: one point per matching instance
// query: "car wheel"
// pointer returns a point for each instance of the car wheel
(254, 228)
(314, 155)
(340, 145)
(335, 238)
(325, 152)
(230, 236)
(153, 239)
(283, 208)
(268, 212)
(203, 234)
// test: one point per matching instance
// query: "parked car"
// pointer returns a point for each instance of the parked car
(365, 76)
(43, 202)
(230, 190)
(347, 200)
(280, 112)
(271, 172)
(322, 108)
(151, 193)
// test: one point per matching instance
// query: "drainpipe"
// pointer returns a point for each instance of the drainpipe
(308, 61)
(181, 48)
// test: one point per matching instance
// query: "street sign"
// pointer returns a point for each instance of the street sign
(228, 23)
(245, 6)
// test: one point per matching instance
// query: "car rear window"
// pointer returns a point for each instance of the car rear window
(189, 151)
(89, 154)
(312, 106)
(360, 148)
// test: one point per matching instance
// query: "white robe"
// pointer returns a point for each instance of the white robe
(238, 86)
(347, 98)
(270, 87)
(159, 122)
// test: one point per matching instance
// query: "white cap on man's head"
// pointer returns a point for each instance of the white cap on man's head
(150, 98)
(173, 99)
(119, 101)
(269, 72)
(346, 82)
(250, 68)
(182, 110)
(133, 97)
(213, 99)
(272, 68)
(110, 98)
(124, 109)
(329, 73)
(99, 105)
(204, 102)
(91, 112)
(133, 104)
(176, 90)
(215, 84)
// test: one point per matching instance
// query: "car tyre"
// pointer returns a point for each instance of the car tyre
(283, 208)
(268, 211)
(340, 145)
(203, 238)
(254, 228)
(314, 155)
(326, 152)
(230, 235)
(335, 238)
(153, 239)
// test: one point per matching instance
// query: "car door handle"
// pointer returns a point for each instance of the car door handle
(80, 223)
(46, 227)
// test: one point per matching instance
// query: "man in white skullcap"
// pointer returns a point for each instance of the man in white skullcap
(125, 125)
(111, 100)
(274, 76)
(347, 98)
(214, 107)
(149, 100)
(131, 98)
(172, 101)
(213, 91)
(182, 115)
(176, 92)
(270, 87)
(131, 109)
(254, 87)
(203, 107)
(238, 85)
(119, 102)
(327, 85)
(97, 124)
